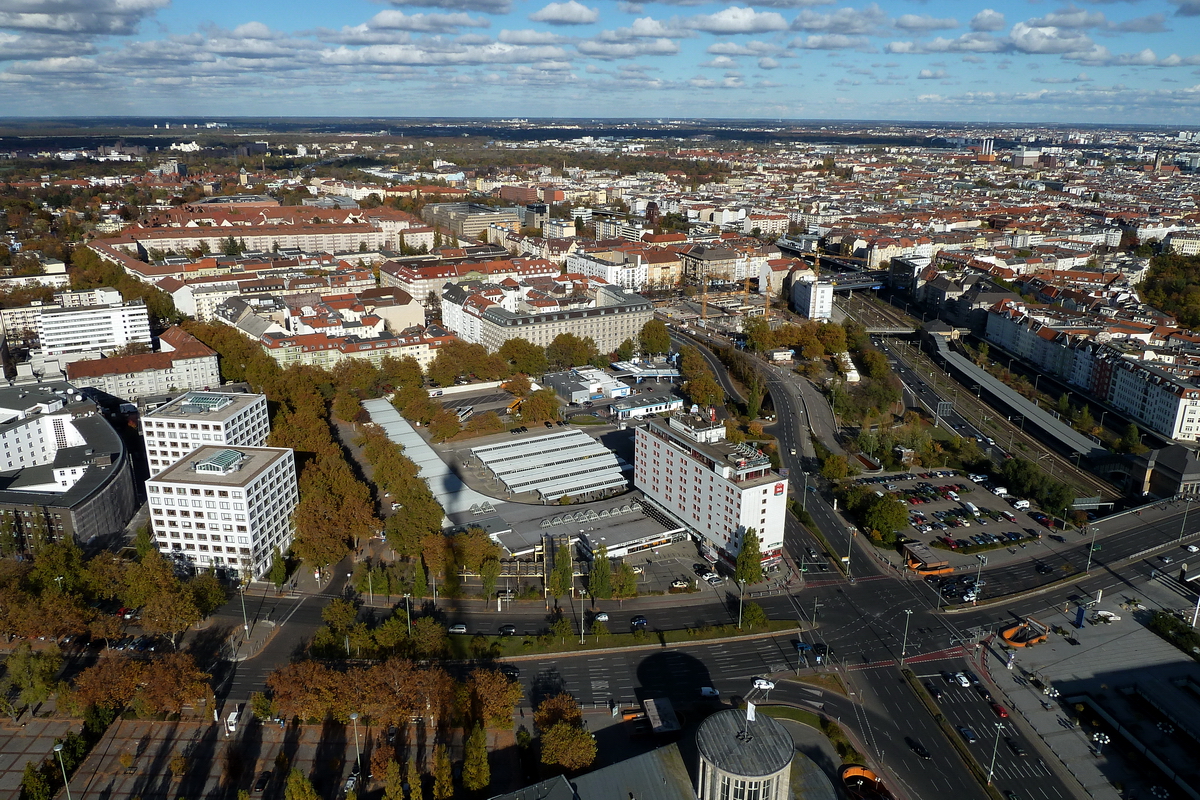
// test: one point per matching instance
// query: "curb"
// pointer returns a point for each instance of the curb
(650, 647)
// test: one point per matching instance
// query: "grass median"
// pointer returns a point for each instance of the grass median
(837, 737)
(478, 646)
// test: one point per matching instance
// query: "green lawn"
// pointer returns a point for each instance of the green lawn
(506, 646)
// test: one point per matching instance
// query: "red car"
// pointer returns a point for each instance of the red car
(1000, 710)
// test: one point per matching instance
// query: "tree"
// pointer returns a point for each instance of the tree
(142, 543)
(758, 333)
(600, 576)
(278, 572)
(340, 614)
(568, 350)
(476, 773)
(558, 708)
(625, 582)
(429, 637)
(1085, 423)
(560, 582)
(518, 385)
(489, 572)
(170, 612)
(569, 747)
(704, 390)
(626, 350)
(414, 781)
(1131, 440)
(655, 338)
(524, 356)
(444, 425)
(443, 774)
(208, 593)
(754, 616)
(835, 468)
(299, 787)
(540, 406)
(31, 674)
(748, 569)
(393, 782)
(492, 696)
(34, 783)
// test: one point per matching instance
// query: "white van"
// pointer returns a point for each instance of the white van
(953, 496)
(971, 509)
(1020, 505)
(1000, 491)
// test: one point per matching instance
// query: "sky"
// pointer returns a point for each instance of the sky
(1024, 61)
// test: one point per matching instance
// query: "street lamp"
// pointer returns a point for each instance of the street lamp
(1183, 525)
(357, 753)
(995, 747)
(408, 612)
(1091, 549)
(582, 595)
(978, 575)
(904, 646)
(58, 748)
(245, 619)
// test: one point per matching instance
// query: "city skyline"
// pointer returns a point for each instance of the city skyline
(1098, 63)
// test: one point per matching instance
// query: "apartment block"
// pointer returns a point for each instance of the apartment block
(183, 362)
(202, 419)
(226, 507)
(813, 298)
(63, 331)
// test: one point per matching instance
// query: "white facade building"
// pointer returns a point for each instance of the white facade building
(102, 327)
(630, 275)
(200, 419)
(713, 487)
(226, 507)
(813, 299)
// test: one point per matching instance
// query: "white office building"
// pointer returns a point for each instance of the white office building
(813, 299)
(715, 488)
(84, 329)
(226, 507)
(199, 419)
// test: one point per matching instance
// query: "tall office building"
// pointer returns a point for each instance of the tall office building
(198, 419)
(82, 329)
(227, 507)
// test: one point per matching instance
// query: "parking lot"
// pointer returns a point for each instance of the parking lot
(962, 518)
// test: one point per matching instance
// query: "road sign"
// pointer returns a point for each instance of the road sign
(944, 408)
(845, 559)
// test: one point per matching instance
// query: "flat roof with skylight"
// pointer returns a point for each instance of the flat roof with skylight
(216, 406)
(223, 466)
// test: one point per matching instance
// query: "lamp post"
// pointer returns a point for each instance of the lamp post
(978, 575)
(357, 752)
(904, 646)
(582, 595)
(58, 748)
(1183, 525)
(408, 612)
(995, 747)
(1091, 549)
(245, 619)
(804, 497)
(849, 550)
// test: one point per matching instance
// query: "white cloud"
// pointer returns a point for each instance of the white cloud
(844, 21)
(425, 23)
(441, 54)
(648, 28)
(16, 48)
(830, 41)
(931, 74)
(923, 22)
(736, 20)
(1047, 39)
(721, 62)
(530, 36)
(488, 6)
(1080, 78)
(703, 83)
(767, 63)
(750, 48)
(1186, 8)
(764, 3)
(1098, 56)
(615, 50)
(1070, 17)
(1151, 23)
(90, 17)
(571, 12)
(987, 20)
(966, 43)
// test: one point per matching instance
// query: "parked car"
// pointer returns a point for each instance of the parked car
(459, 628)
(261, 783)
(508, 630)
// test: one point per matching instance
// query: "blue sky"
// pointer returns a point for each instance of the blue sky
(1028, 61)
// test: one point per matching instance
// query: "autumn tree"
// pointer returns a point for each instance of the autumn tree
(476, 773)
(492, 696)
(625, 582)
(600, 576)
(558, 708)
(413, 779)
(31, 674)
(655, 338)
(561, 580)
(393, 780)
(540, 406)
(299, 787)
(568, 350)
(568, 746)
(443, 774)
(524, 357)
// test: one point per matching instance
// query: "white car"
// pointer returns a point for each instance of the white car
(601, 617)
(764, 684)
(679, 584)
(962, 680)
(1191, 548)
(459, 628)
